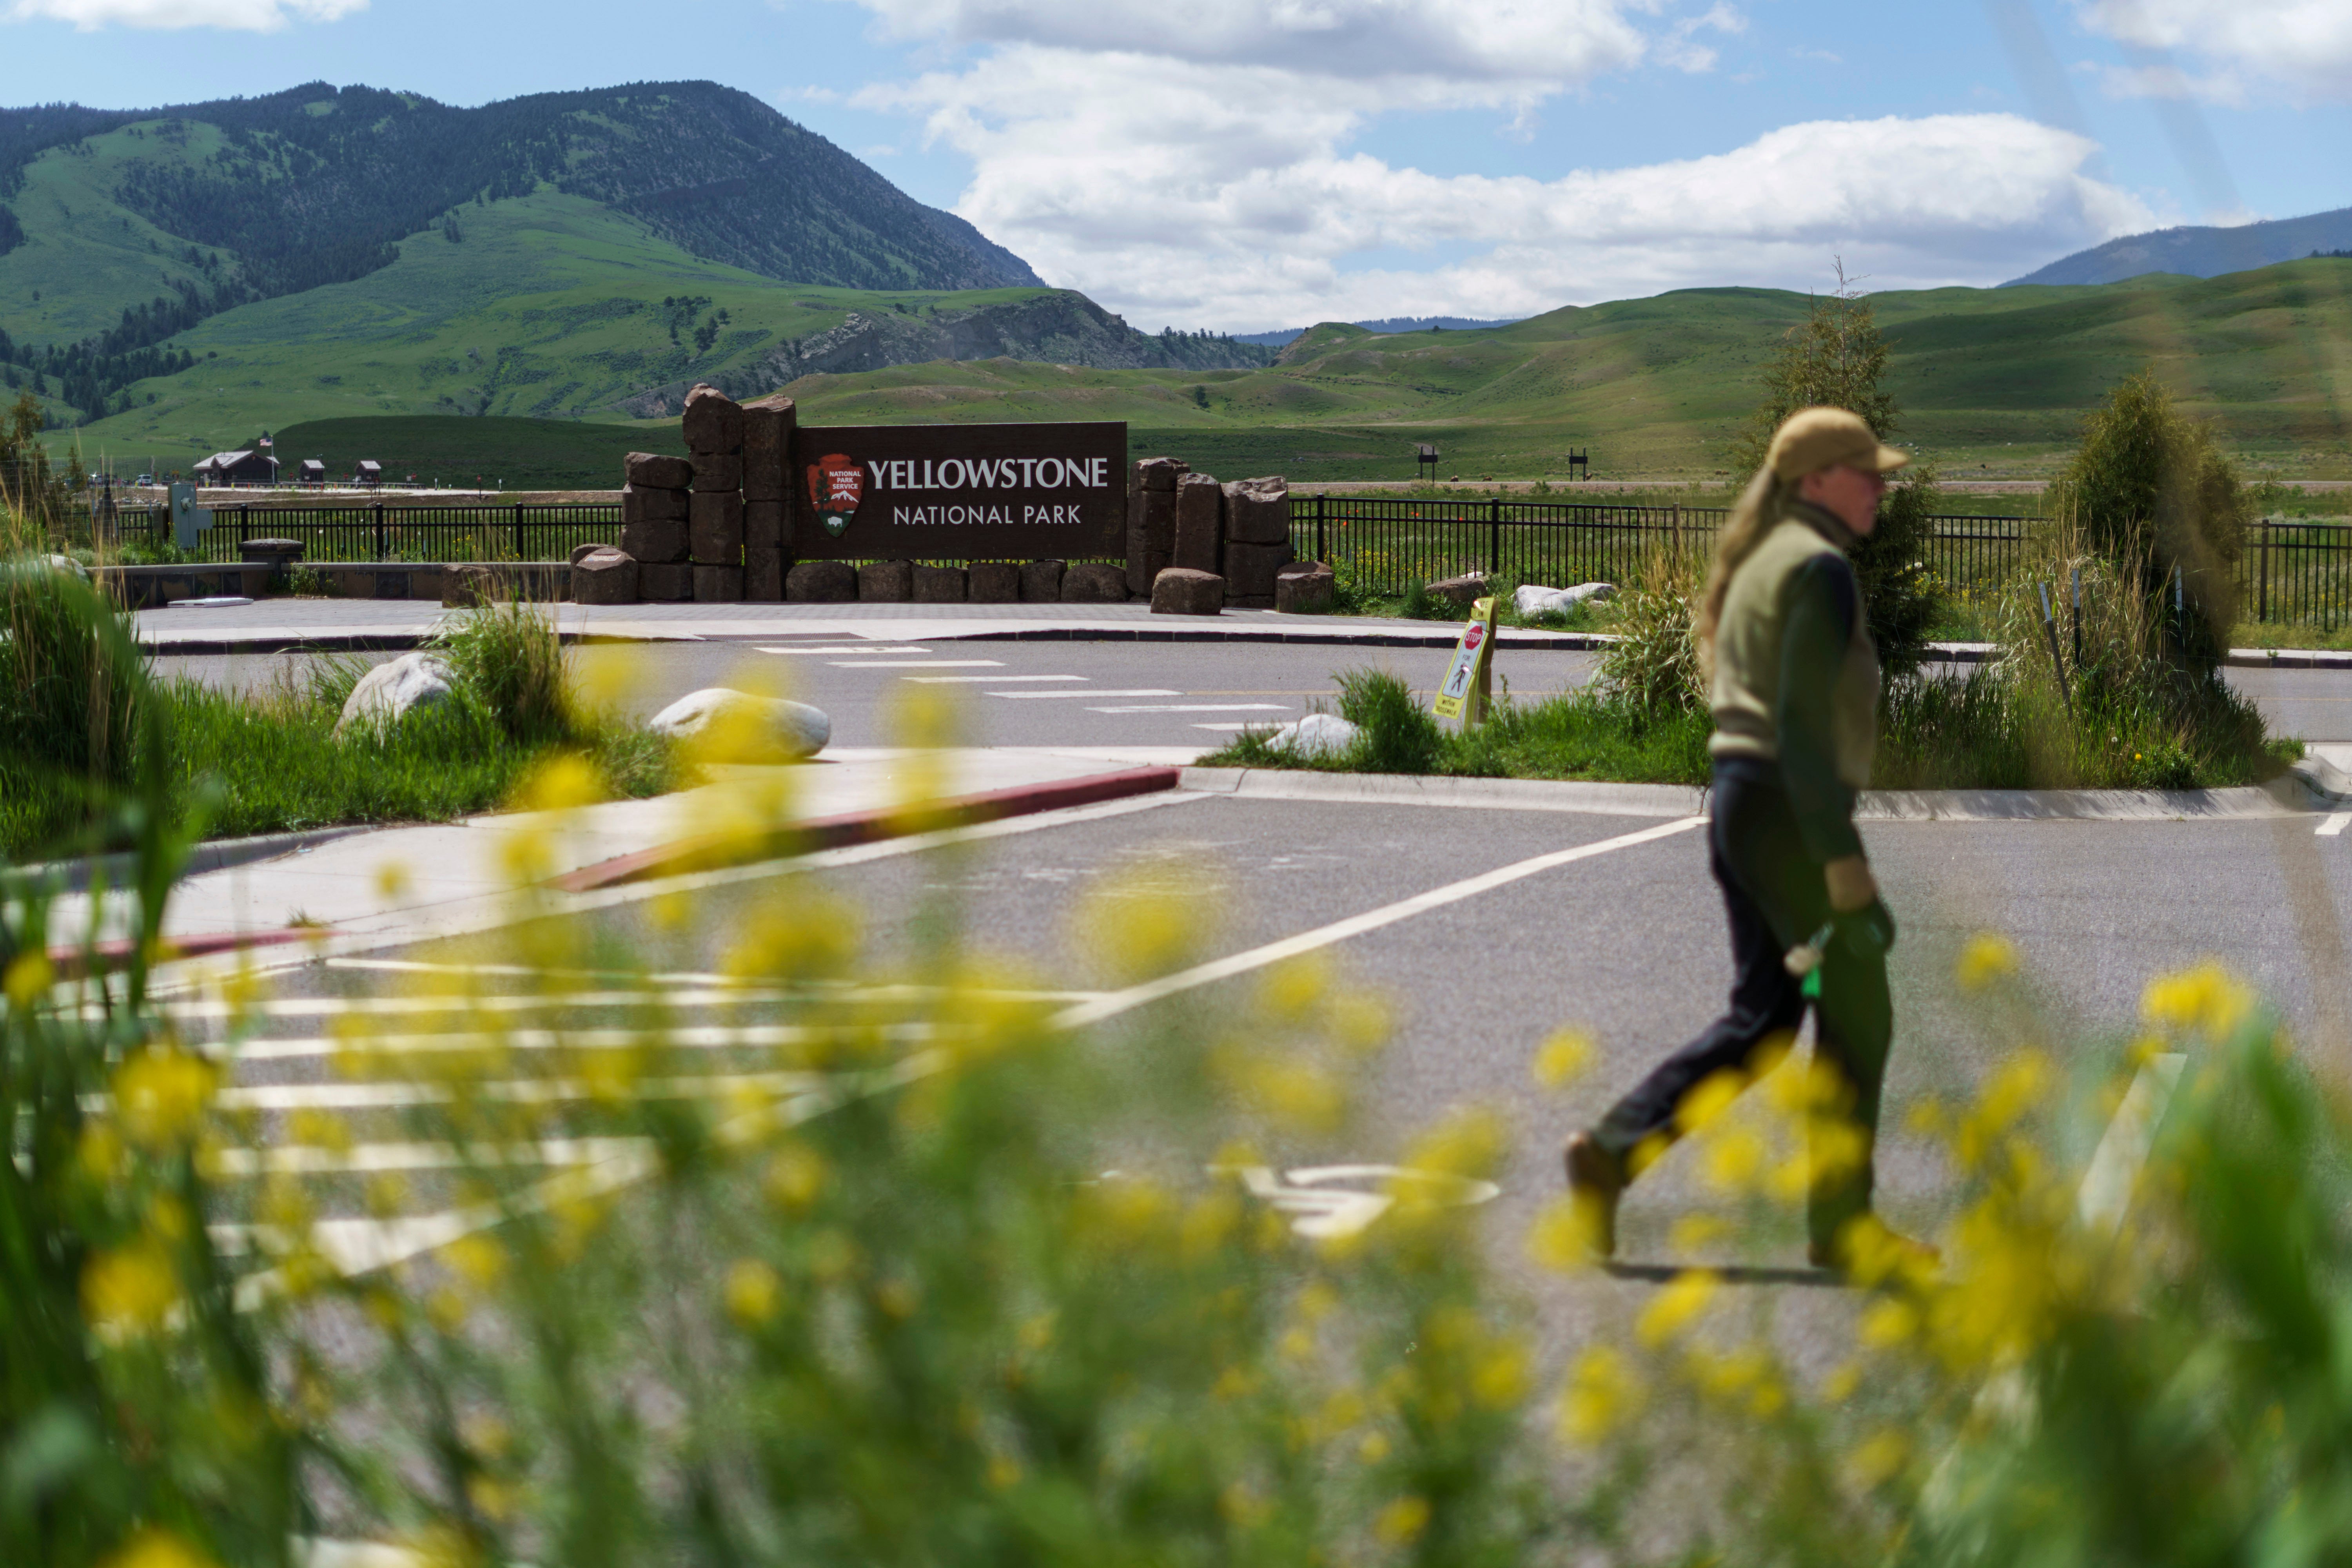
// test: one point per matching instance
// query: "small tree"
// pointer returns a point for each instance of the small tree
(1834, 358)
(2151, 490)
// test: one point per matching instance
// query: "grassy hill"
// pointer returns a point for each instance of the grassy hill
(1992, 380)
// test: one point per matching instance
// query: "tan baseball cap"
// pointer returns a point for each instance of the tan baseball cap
(1812, 439)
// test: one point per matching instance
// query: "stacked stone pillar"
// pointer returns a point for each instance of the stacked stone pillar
(1257, 540)
(714, 440)
(1151, 520)
(768, 425)
(655, 500)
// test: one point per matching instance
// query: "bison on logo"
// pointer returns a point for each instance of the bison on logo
(836, 485)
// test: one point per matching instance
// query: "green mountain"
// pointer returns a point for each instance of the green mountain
(2200, 251)
(544, 255)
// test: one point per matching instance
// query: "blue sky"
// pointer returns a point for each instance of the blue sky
(1242, 166)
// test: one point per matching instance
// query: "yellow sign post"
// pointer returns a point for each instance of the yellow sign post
(1469, 677)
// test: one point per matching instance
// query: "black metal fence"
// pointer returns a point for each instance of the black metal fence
(2291, 573)
(368, 531)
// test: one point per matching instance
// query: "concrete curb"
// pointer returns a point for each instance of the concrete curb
(75, 962)
(216, 856)
(712, 851)
(2292, 795)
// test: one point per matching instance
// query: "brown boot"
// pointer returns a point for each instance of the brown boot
(1594, 1182)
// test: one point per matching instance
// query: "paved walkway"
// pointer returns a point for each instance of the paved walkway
(441, 879)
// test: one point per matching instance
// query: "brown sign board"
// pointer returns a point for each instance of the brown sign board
(960, 492)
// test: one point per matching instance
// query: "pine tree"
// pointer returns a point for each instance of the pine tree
(1836, 358)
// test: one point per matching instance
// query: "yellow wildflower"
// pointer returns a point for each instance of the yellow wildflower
(132, 1287)
(1601, 1392)
(1988, 956)
(1676, 1307)
(1401, 1521)
(754, 1291)
(1563, 1059)
(2208, 998)
(161, 1093)
(1708, 1100)
(159, 1549)
(1292, 989)
(1564, 1234)
(29, 974)
(1877, 1458)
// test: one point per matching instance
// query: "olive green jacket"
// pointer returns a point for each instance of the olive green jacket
(1796, 675)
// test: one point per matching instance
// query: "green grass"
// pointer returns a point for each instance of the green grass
(244, 764)
(520, 454)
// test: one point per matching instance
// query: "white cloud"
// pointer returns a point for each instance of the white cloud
(243, 16)
(1508, 47)
(1204, 195)
(2305, 45)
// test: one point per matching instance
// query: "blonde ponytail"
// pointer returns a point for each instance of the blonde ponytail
(1758, 508)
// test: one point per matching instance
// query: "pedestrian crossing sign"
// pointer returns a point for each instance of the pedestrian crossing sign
(1469, 677)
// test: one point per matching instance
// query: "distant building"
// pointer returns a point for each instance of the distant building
(252, 468)
(313, 471)
(371, 473)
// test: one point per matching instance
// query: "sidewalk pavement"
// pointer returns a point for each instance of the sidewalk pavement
(441, 879)
(275, 626)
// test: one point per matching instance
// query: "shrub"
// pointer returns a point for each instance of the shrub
(1400, 736)
(509, 653)
(2150, 489)
(1653, 667)
(73, 689)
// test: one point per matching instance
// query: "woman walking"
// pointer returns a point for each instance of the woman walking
(1793, 681)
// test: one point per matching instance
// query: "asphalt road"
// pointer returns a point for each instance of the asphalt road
(1113, 693)
(1627, 945)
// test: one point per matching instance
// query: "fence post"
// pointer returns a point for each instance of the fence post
(1319, 530)
(1494, 536)
(2262, 546)
(518, 554)
(379, 531)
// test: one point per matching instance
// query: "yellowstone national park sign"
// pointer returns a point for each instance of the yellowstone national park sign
(961, 492)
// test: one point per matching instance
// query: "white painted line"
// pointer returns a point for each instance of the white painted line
(724, 987)
(391, 1006)
(310, 1160)
(1139, 691)
(509, 1091)
(848, 647)
(1135, 996)
(917, 664)
(748, 1036)
(1198, 707)
(1227, 728)
(2336, 823)
(2105, 1197)
(986, 679)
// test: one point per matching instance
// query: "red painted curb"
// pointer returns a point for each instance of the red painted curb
(73, 963)
(711, 851)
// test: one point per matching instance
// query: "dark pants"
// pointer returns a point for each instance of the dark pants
(1776, 898)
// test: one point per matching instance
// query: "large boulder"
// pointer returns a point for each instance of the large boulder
(720, 725)
(1316, 735)
(664, 582)
(716, 472)
(1199, 526)
(886, 581)
(664, 540)
(713, 423)
(1304, 588)
(654, 470)
(1041, 582)
(465, 586)
(1094, 583)
(1534, 599)
(994, 583)
(714, 529)
(1250, 570)
(604, 576)
(938, 585)
(1466, 589)
(395, 689)
(763, 577)
(1257, 511)
(1179, 591)
(821, 582)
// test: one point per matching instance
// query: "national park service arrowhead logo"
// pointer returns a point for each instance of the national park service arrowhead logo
(836, 487)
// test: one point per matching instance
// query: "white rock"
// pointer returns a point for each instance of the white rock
(1534, 600)
(725, 726)
(66, 564)
(1316, 735)
(395, 689)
